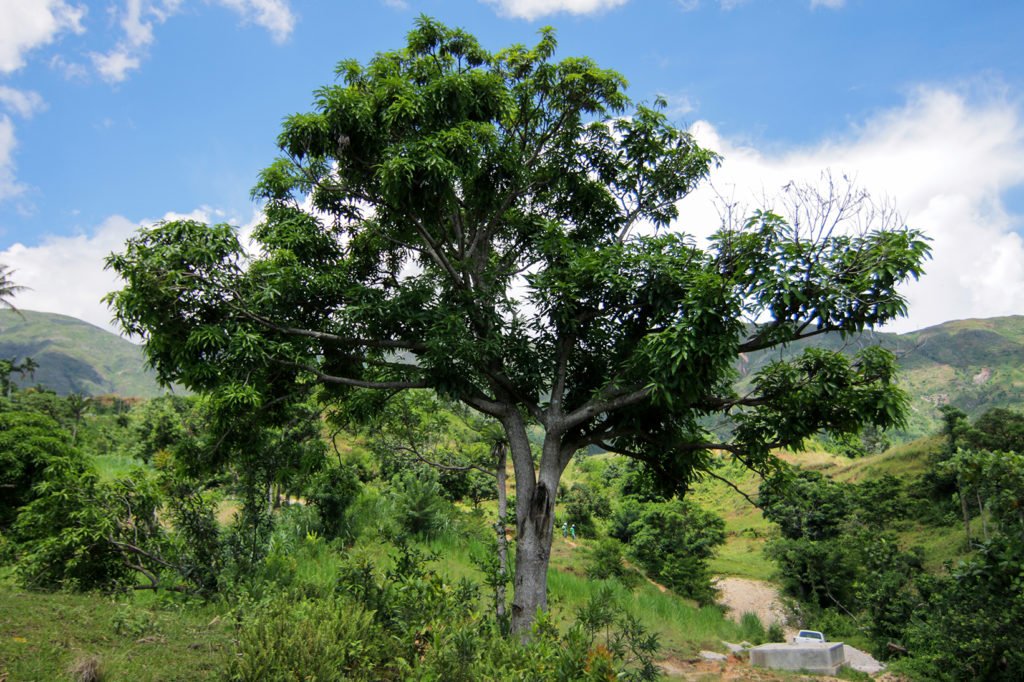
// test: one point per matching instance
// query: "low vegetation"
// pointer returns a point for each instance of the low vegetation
(454, 273)
(122, 563)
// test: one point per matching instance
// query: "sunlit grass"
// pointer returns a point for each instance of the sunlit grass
(110, 467)
(42, 634)
(682, 627)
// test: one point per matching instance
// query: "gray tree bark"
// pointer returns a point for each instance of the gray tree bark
(536, 490)
(501, 453)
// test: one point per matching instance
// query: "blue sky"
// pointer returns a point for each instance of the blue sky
(115, 114)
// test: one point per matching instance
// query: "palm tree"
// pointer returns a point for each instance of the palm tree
(8, 288)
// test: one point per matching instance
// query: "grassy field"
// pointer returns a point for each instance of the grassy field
(47, 636)
(111, 467)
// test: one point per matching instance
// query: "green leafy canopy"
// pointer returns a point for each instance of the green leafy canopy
(494, 226)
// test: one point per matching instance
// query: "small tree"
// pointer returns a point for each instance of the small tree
(491, 226)
(8, 288)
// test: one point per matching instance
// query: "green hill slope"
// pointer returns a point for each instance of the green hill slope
(75, 356)
(972, 364)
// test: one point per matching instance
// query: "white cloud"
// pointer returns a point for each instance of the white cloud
(533, 9)
(24, 103)
(946, 159)
(830, 4)
(274, 15)
(28, 24)
(137, 31)
(397, 4)
(678, 104)
(9, 187)
(138, 18)
(66, 275)
(71, 70)
(115, 65)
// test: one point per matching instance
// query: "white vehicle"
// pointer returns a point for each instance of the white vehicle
(812, 636)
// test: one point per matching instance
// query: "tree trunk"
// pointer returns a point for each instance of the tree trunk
(500, 527)
(964, 510)
(535, 517)
(535, 520)
(981, 513)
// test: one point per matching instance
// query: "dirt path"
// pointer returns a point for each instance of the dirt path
(743, 595)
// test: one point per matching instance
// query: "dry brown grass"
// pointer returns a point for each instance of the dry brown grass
(86, 668)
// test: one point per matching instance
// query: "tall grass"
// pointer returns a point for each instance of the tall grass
(110, 467)
(682, 627)
(44, 634)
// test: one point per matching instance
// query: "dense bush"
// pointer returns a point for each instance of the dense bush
(331, 492)
(29, 441)
(804, 504)
(838, 553)
(410, 623)
(623, 517)
(64, 533)
(673, 541)
(307, 639)
(971, 623)
(160, 424)
(581, 504)
(880, 502)
(606, 561)
(419, 507)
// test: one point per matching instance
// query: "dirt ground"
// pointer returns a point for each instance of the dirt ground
(743, 595)
(732, 670)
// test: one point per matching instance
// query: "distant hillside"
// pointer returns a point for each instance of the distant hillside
(972, 364)
(75, 356)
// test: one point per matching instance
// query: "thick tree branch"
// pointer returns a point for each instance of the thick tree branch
(380, 344)
(416, 454)
(758, 342)
(593, 408)
(356, 383)
(732, 485)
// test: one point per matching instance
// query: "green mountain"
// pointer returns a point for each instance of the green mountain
(972, 364)
(75, 356)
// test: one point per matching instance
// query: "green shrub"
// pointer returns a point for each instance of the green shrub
(601, 645)
(752, 628)
(673, 542)
(605, 561)
(972, 621)
(198, 549)
(581, 505)
(804, 504)
(64, 532)
(323, 639)
(331, 493)
(29, 442)
(775, 633)
(419, 507)
(371, 514)
(623, 517)
(132, 623)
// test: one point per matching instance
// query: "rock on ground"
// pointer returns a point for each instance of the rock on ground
(861, 660)
(713, 656)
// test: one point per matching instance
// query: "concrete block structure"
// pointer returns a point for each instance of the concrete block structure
(823, 659)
